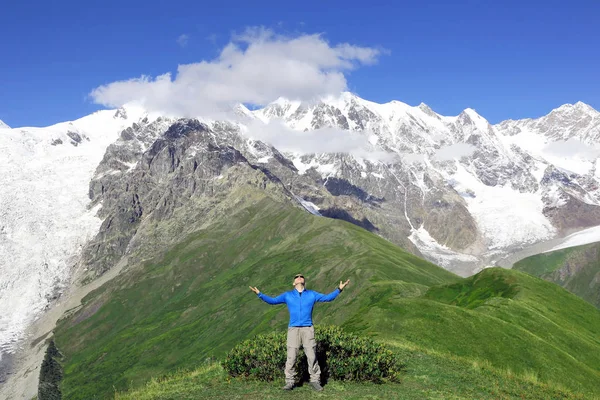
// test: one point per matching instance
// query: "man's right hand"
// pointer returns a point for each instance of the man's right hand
(255, 290)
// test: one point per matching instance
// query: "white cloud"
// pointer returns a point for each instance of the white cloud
(573, 148)
(324, 140)
(182, 40)
(412, 158)
(454, 151)
(255, 67)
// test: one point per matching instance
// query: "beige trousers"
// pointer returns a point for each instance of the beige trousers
(304, 336)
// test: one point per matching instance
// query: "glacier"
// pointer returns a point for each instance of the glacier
(45, 217)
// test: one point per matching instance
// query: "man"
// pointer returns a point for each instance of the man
(300, 302)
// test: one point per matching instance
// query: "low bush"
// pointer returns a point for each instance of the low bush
(341, 356)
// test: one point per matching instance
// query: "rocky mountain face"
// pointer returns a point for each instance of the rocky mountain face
(162, 180)
(456, 190)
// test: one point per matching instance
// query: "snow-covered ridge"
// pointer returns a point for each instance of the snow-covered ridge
(504, 172)
(569, 121)
(44, 215)
(3, 125)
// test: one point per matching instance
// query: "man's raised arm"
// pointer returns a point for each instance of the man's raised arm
(270, 300)
(324, 298)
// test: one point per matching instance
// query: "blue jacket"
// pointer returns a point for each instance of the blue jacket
(300, 305)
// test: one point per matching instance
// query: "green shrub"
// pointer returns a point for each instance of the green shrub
(341, 356)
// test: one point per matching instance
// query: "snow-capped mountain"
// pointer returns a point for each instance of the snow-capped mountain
(45, 216)
(515, 186)
(569, 121)
(3, 125)
(456, 190)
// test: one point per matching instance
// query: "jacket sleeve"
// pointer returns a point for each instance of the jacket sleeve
(272, 300)
(323, 298)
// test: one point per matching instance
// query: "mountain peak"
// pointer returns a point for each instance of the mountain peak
(426, 109)
(242, 110)
(471, 117)
(577, 107)
(279, 108)
(341, 101)
(280, 101)
(469, 114)
(3, 125)
(348, 96)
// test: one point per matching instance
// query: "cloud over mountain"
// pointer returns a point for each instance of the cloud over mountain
(254, 68)
(323, 140)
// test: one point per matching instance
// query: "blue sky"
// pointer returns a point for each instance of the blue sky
(509, 59)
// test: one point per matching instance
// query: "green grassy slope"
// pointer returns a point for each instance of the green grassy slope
(577, 269)
(429, 376)
(538, 328)
(194, 304)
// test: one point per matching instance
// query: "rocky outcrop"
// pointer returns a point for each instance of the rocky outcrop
(186, 168)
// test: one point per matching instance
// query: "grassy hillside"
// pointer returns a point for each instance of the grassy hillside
(507, 318)
(430, 376)
(577, 269)
(194, 304)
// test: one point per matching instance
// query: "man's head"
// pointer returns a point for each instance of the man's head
(299, 280)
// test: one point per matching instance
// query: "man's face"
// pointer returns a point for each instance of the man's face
(298, 279)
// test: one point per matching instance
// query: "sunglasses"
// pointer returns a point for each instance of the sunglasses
(299, 276)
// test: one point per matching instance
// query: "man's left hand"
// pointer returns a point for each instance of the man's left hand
(343, 285)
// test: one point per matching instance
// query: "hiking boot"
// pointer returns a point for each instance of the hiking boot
(317, 386)
(288, 386)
